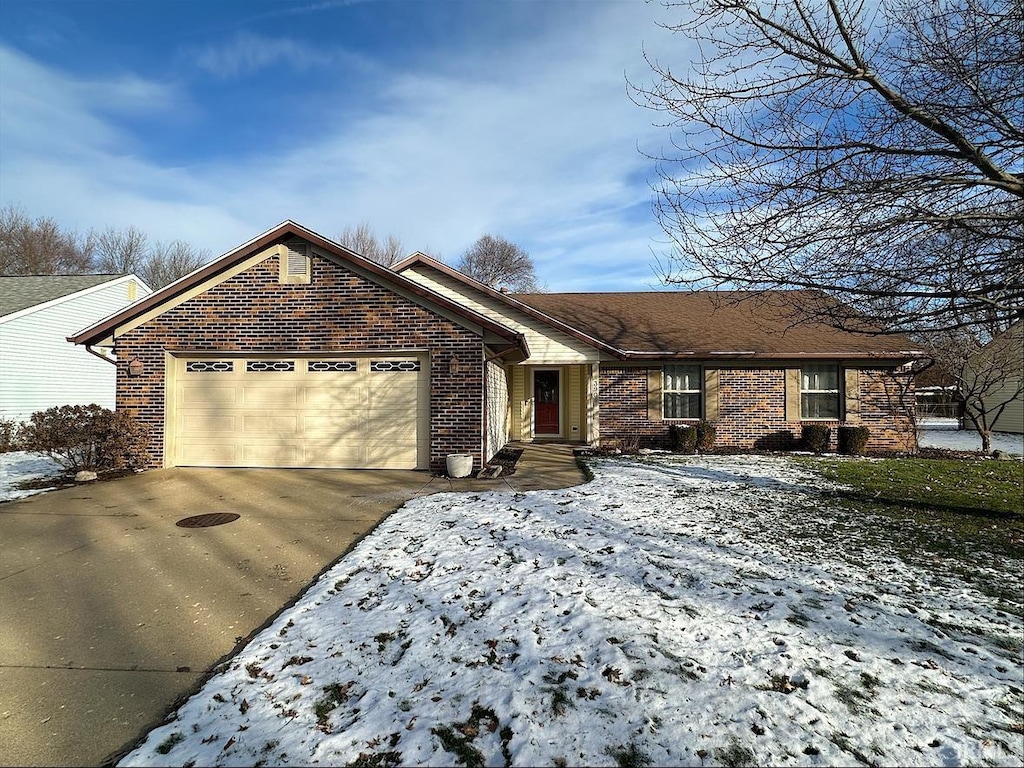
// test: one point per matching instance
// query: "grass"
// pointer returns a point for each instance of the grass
(982, 487)
(959, 517)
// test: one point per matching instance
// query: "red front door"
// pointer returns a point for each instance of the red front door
(545, 399)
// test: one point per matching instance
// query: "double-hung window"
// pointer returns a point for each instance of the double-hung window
(681, 392)
(819, 392)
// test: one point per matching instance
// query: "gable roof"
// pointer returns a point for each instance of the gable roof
(514, 301)
(708, 324)
(671, 324)
(282, 232)
(18, 292)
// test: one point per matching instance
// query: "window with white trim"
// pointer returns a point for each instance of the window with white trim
(819, 391)
(681, 392)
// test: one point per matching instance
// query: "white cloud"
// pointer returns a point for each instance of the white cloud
(536, 141)
(46, 111)
(247, 53)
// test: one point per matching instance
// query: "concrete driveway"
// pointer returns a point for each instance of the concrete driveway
(109, 611)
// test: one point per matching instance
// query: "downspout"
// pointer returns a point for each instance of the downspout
(100, 355)
(484, 409)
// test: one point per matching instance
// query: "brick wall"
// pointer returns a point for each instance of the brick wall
(752, 409)
(338, 311)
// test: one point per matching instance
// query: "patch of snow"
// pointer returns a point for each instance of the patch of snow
(945, 433)
(18, 466)
(675, 610)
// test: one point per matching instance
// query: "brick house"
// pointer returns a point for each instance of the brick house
(294, 351)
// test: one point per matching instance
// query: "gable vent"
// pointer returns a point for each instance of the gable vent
(295, 261)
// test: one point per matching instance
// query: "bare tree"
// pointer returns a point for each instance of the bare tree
(988, 373)
(870, 151)
(363, 240)
(499, 263)
(120, 251)
(40, 246)
(165, 263)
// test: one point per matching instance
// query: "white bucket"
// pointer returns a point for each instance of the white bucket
(459, 464)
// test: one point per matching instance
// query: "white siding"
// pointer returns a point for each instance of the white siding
(40, 368)
(547, 345)
(497, 409)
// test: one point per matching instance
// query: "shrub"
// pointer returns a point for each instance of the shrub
(86, 437)
(815, 437)
(10, 435)
(682, 438)
(853, 440)
(705, 436)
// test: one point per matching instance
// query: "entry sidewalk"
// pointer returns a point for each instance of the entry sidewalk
(109, 611)
(543, 466)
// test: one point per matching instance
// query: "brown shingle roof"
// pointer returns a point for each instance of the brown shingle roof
(708, 324)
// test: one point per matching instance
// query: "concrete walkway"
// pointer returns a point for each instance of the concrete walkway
(543, 466)
(109, 611)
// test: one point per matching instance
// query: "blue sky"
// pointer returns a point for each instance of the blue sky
(437, 121)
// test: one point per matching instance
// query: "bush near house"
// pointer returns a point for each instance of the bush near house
(815, 437)
(682, 438)
(85, 437)
(705, 436)
(853, 440)
(691, 438)
(10, 435)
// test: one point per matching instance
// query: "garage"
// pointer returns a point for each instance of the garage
(367, 411)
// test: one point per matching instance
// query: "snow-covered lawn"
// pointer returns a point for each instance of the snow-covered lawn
(944, 433)
(18, 466)
(674, 611)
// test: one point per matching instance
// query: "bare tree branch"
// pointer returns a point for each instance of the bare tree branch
(874, 154)
(40, 246)
(363, 240)
(988, 374)
(499, 263)
(165, 263)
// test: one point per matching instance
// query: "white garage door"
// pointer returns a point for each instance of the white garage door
(367, 411)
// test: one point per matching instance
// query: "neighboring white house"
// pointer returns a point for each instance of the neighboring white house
(39, 368)
(1009, 394)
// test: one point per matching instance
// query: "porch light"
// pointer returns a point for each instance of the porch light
(453, 365)
(135, 367)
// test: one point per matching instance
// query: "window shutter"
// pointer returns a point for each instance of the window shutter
(711, 394)
(654, 394)
(792, 394)
(852, 395)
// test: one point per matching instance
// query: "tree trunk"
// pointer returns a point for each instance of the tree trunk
(986, 440)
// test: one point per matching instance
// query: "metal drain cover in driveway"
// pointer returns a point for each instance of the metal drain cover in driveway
(207, 521)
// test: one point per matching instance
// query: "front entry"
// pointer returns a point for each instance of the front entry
(546, 386)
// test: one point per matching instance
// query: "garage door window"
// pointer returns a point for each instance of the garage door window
(209, 366)
(403, 366)
(332, 366)
(270, 366)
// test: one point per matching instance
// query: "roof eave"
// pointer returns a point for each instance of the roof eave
(422, 258)
(753, 355)
(105, 327)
